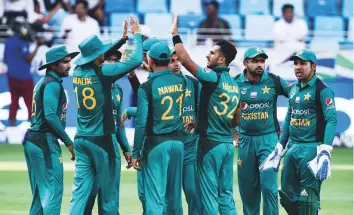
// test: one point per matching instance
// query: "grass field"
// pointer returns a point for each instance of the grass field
(15, 193)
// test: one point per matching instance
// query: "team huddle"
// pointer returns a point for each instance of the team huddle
(186, 130)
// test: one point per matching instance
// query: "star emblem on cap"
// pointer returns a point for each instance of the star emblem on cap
(259, 50)
(307, 97)
(187, 93)
(300, 52)
(61, 159)
(118, 97)
(265, 90)
(239, 162)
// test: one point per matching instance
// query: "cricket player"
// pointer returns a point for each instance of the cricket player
(131, 112)
(218, 101)
(259, 129)
(41, 146)
(113, 56)
(159, 121)
(95, 142)
(308, 133)
(190, 107)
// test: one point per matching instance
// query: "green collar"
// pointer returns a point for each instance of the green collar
(162, 72)
(55, 75)
(311, 83)
(245, 79)
(221, 69)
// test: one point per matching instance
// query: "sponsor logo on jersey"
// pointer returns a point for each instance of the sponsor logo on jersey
(297, 99)
(329, 101)
(253, 95)
(244, 91)
(300, 112)
(64, 106)
(245, 106)
(188, 108)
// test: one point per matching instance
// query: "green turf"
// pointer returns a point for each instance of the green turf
(15, 193)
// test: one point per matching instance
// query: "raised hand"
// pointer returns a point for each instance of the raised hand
(174, 29)
(125, 29)
(134, 25)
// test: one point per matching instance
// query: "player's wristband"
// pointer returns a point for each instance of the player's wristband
(176, 39)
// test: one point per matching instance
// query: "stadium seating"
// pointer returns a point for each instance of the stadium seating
(116, 19)
(152, 6)
(119, 6)
(322, 8)
(235, 24)
(160, 29)
(298, 7)
(317, 45)
(347, 8)
(189, 21)
(183, 7)
(260, 7)
(259, 27)
(350, 30)
(327, 27)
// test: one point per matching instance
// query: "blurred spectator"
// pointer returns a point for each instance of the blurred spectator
(16, 8)
(213, 26)
(18, 58)
(56, 8)
(95, 10)
(76, 27)
(289, 32)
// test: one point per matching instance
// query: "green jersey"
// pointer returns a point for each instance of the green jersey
(219, 98)
(160, 107)
(258, 103)
(117, 100)
(92, 87)
(311, 115)
(49, 107)
(190, 105)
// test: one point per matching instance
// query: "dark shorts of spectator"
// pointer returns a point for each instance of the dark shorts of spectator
(20, 88)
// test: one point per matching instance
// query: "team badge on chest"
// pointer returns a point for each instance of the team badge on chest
(253, 95)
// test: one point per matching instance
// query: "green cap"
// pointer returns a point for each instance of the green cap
(55, 54)
(253, 52)
(160, 51)
(172, 50)
(90, 49)
(305, 55)
(148, 43)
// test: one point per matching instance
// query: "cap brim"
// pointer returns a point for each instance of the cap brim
(298, 57)
(258, 55)
(71, 55)
(81, 60)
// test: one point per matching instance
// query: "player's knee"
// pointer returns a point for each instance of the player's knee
(290, 206)
(309, 201)
(269, 188)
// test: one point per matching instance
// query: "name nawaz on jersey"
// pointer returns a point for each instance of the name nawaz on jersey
(170, 89)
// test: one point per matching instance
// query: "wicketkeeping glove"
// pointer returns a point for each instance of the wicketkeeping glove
(273, 159)
(320, 166)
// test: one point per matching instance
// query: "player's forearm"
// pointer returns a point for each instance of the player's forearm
(330, 130)
(131, 112)
(138, 141)
(284, 137)
(184, 57)
(120, 43)
(122, 139)
(55, 124)
(134, 82)
(120, 69)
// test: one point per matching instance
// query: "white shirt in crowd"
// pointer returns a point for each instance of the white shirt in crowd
(79, 30)
(290, 35)
(18, 6)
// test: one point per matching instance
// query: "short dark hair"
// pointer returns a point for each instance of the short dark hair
(84, 2)
(214, 3)
(287, 6)
(161, 62)
(111, 52)
(228, 50)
